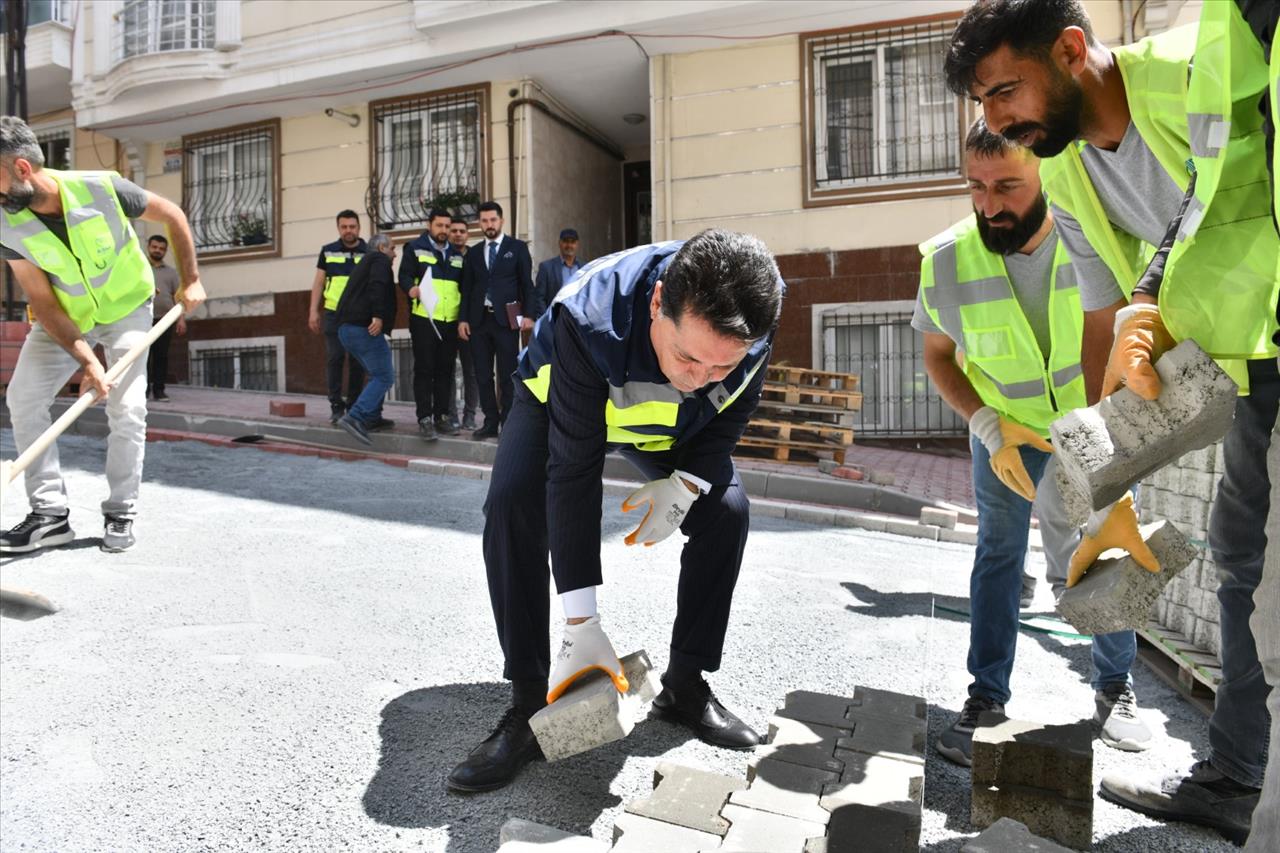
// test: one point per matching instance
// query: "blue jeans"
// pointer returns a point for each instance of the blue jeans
(1004, 521)
(374, 354)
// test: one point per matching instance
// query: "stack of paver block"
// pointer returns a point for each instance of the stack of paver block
(1038, 775)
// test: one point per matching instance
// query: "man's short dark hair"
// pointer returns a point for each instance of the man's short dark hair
(18, 141)
(1028, 27)
(492, 205)
(728, 279)
(348, 214)
(158, 238)
(436, 212)
(983, 143)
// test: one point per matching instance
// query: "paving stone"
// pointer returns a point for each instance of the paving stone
(886, 703)
(876, 805)
(1075, 503)
(903, 739)
(837, 711)
(688, 797)
(1116, 594)
(754, 831)
(944, 518)
(1053, 758)
(1008, 836)
(786, 789)
(1065, 821)
(288, 409)
(912, 529)
(525, 836)
(890, 828)
(636, 834)
(807, 744)
(592, 712)
(1106, 448)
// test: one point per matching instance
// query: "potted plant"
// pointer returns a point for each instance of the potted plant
(250, 230)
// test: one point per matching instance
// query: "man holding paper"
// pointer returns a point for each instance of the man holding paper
(430, 272)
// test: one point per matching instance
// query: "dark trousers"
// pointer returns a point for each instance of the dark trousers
(158, 362)
(470, 391)
(337, 354)
(515, 552)
(492, 343)
(434, 350)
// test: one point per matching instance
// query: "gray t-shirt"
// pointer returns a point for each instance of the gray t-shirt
(1031, 277)
(166, 286)
(133, 199)
(1138, 197)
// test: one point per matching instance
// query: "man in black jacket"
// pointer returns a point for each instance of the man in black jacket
(365, 314)
(495, 273)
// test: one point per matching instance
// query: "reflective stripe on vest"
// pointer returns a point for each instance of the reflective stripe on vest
(335, 282)
(966, 292)
(448, 296)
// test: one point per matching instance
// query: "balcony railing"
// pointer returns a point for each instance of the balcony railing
(155, 26)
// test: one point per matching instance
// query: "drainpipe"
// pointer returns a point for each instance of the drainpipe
(607, 148)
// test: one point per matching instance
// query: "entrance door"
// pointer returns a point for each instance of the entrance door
(637, 204)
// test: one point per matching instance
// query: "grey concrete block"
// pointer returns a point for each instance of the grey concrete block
(902, 739)
(786, 789)
(1075, 503)
(1117, 594)
(753, 831)
(887, 703)
(859, 520)
(1008, 836)
(1053, 758)
(806, 744)
(636, 834)
(688, 797)
(592, 712)
(944, 518)
(826, 466)
(1048, 815)
(1108, 447)
(525, 836)
(912, 529)
(858, 828)
(876, 805)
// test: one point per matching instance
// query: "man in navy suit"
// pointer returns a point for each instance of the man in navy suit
(554, 273)
(495, 272)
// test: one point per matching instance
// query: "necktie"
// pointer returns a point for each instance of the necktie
(493, 253)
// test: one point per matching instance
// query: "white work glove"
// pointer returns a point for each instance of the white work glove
(584, 648)
(669, 501)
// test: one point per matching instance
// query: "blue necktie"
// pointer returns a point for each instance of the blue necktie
(493, 255)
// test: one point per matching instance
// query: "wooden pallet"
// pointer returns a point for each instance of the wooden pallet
(782, 451)
(801, 431)
(1196, 666)
(786, 375)
(803, 395)
(813, 412)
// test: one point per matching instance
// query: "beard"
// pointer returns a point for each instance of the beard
(491, 233)
(1064, 115)
(1009, 239)
(20, 195)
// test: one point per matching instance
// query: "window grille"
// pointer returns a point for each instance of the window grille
(229, 189)
(898, 398)
(243, 368)
(881, 113)
(154, 26)
(427, 153)
(56, 145)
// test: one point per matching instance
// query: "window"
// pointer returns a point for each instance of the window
(250, 364)
(230, 189)
(152, 26)
(875, 341)
(428, 153)
(879, 119)
(56, 145)
(41, 11)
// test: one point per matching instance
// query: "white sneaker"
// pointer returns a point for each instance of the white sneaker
(1116, 710)
(584, 648)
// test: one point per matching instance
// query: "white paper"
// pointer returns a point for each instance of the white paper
(427, 296)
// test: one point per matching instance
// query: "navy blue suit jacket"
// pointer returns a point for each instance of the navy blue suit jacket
(510, 280)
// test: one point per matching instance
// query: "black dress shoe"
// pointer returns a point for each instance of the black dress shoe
(484, 432)
(697, 708)
(380, 425)
(499, 757)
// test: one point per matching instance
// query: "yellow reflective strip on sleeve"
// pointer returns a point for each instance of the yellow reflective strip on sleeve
(648, 443)
(641, 414)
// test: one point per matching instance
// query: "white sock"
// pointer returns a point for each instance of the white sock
(579, 603)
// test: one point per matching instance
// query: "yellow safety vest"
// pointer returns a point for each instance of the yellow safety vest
(444, 281)
(104, 275)
(339, 263)
(966, 291)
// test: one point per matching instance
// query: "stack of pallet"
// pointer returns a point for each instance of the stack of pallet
(804, 415)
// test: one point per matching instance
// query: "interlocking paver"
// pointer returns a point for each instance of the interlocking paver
(688, 797)
(786, 789)
(635, 834)
(808, 744)
(525, 836)
(592, 712)
(753, 831)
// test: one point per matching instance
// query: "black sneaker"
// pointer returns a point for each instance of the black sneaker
(469, 424)
(1028, 594)
(117, 534)
(355, 429)
(160, 397)
(426, 430)
(336, 411)
(380, 425)
(34, 532)
(956, 743)
(446, 426)
(499, 757)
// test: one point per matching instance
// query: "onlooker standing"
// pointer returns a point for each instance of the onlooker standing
(364, 316)
(337, 260)
(167, 285)
(496, 272)
(429, 274)
(470, 391)
(554, 273)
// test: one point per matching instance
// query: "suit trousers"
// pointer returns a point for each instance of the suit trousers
(490, 344)
(336, 354)
(434, 349)
(516, 561)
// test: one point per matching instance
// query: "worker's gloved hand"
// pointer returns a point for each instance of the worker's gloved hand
(1002, 438)
(1141, 339)
(584, 648)
(669, 501)
(1114, 527)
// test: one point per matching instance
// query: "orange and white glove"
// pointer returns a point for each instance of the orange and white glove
(1002, 438)
(1114, 527)
(584, 648)
(1140, 339)
(669, 501)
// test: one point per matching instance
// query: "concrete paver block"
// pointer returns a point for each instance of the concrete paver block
(944, 518)
(1075, 503)
(786, 789)
(288, 408)
(1113, 444)
(1008, 836)
(807, 744)
(635, 834)
(688, 797)
(753, 831)
(879, 722)
(1116, 594)
(1057, 758)
(858, 828)
(525, 836)
(592, 712)
(887, 703)
(1046, 814)
(876, 805)
(903, 739)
